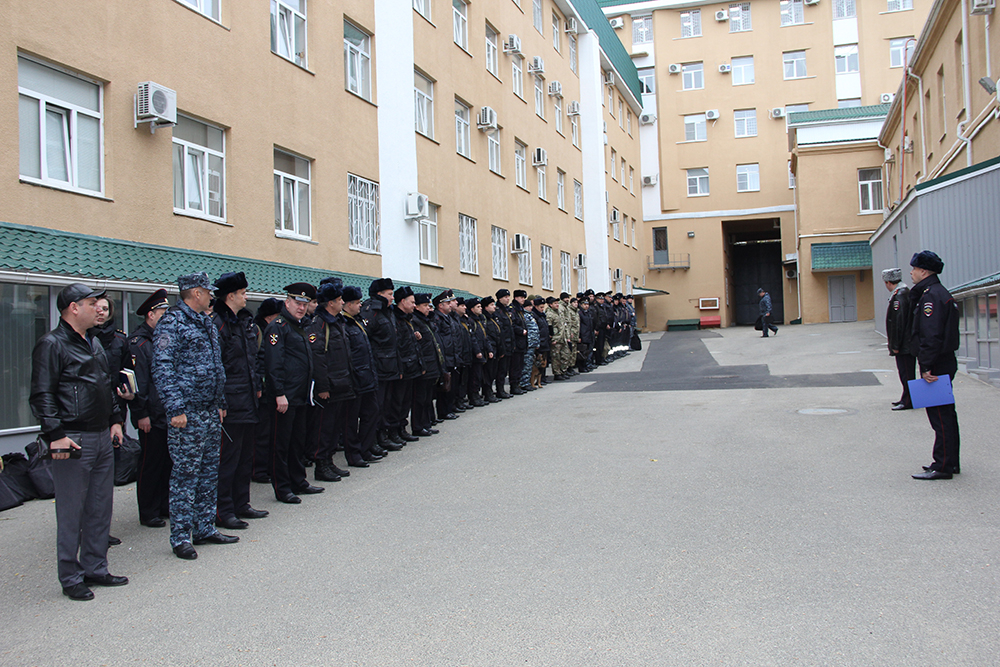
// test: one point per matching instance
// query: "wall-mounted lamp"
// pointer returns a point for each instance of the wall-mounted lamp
(690, 235)
(988, 84)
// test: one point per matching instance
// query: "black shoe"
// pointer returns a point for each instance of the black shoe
(324, 473)
(460, 408)
(435, 422)
(106, 580)
(290, 498)
(451, 415)
(423, 433)
(433, 431)
(340, 471)
(559, 378)
(492, 399)
(217, 538)
(78, 592)
(504, 394)
(516, 391)
(380, 437)
(897, 402)
(393, 439)
(406, 436)
(262, 479)
(232, 523)
(309, 490)
(113, 541)
(251, 513)
(390, 447)
(932, 474)
(479, 403)
(378, 451)
(155, 522)
(954, 471)
(358, 464)
(900, 406)
(530, 388)
(186, 551)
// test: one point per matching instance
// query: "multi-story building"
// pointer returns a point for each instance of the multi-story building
(719, 82)
(449, 145)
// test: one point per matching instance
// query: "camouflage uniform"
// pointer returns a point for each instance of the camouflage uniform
(191, 380)
(529, 354)
(557, 322)
(573, 329)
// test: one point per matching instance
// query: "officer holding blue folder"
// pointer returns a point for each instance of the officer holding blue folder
(935, 339)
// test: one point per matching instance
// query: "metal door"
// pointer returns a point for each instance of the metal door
(843, 299)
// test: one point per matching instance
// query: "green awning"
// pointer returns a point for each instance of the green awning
(846, 256)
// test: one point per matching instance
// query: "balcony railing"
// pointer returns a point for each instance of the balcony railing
(674, 261)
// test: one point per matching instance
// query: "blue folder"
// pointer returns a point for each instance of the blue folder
(926, 394)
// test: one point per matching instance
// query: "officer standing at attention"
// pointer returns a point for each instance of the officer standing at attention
(73, 401)
(287, 374)
(935, 339)
(898, 328)
(376, 314)
(152, 485)
(520, 332)
(360, 447)
(506, 348)
(263, 451)
(410, 365)
(433, 363)
(445, 329)
(190, 378)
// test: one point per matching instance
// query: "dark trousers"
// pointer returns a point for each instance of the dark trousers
(503, 365)
(422, 411)
(385, 389)
(515, 367)
(944, 421)
(445, 400)
(585, 355)
(906, 367)
(152, 485)
(490, 369)
(333, 427)
(362, 418)
(400, 403)
(475, 381)
(235, 469)
(289, 442)
(314, 426)
(263, 455)
(84, 499)
(767, 324)
(461, 387)
(602, 336)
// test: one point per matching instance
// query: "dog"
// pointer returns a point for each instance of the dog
(536, 371)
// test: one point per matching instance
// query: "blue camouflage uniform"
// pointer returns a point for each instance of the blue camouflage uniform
(534, 337)
(191, 380)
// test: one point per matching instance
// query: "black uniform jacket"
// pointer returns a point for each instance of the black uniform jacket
(463, 346)
(406, 345)
(238, 344)
(935, 327)
(362, 359)
(494, 331)
(147, 401)
(480, 342)
(287, 359)
(381, 327)
(429, 347)
(898, 322)
(448, 337)
(70, 386)
(331, 356)
(519, 328)
(544, 335)
(503, 318)
(586, 326)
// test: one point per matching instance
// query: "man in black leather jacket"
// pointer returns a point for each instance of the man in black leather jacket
(74, 401)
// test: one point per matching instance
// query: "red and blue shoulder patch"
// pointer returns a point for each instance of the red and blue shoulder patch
(928, 309)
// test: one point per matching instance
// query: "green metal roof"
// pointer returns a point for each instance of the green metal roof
(992, 280)
(590, 12)
(958, 174)
(54, 252)
(841, 256)
(615, 3)
(828, 115)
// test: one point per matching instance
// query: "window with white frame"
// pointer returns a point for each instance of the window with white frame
(621, 114)
(542, 189)
(546, 267)
(524, 264)
(792, 12)
(901, 51)
(697, 182)
(209, 8)
(557, 112)
(622, 179)
(631, 180)
(423, 98)
(844, 9)
(578, 199)
(498, 244)
(556, 32)
(691, 23)
(642, 29)
(625, 230)
(614, 163)
(199, 155)
(572, 53)
(460, 20)
(616, 224)
(468, 249)
(357, 61)
(520, 165)
(492, 51)
(574, 123)
(870, 190)
(291, 195)
(634, 241)
(739, 17)
(693, 76)
(794, 63)
(743, 73)
(539, 96)
(561, 189)
(493, 142)
(463, 136)
(647, 80)
(628, 121)
(846, 58)
(747, 177)
(362, 213)
(429, 236)
(536, 16)
(565, 272)
(517, 74)
(899, 5)
(288, 30)
(423, 8)
(746, 122)
(60, 135)
(791, 176)
(695, 127)
(611, 99)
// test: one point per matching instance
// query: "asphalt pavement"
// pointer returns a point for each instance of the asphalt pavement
(716, 499)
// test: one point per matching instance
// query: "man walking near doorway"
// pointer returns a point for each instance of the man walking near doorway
(765, 313)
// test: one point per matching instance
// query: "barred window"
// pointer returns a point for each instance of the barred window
(739, 17)
(468, 252)
(565, 272)
(499, 246)
(524, 264)
(691, 23)
(642, 29)
(362, 213)
(546, 267)
(791, 12)
(746, 122)
(578, 199)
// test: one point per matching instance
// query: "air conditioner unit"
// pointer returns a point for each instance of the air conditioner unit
(812, 2)
(537, 65)
(417, 205)
(889, 155)
(725, 68)
(155, 104)
(647, 118)
(615, 216)
(650, 180)
(519, 244)
(907, 145)
(555, 89)
(573, 109)
(778, 112)
(791, 274)
(539, 158)
(512, 45)
(609, 78)
(617, 23)
(982, 6)
(722, 15)
(581, 261)
(886, 98)
(712, 114)
(617, 275)
(674, 68)
(487, 119)
(571, 26)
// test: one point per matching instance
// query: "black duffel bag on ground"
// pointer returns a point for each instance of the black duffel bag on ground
(15, 475)
(40, 469)
(635, 343)
(127, 457)
(8, 498)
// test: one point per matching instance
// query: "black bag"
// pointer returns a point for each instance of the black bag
(15, 474)
(8, 498)
(759, 324)
(635, 343)
(127, 457)
(40, 469)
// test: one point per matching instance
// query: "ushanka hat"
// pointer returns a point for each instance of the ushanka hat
(892, 275)
(351, 293)
(229, 283)
(520, 293)
(269, 307)
(421, 297)
(402, 293)
(380, 285)
(925, 259)
(328, 292)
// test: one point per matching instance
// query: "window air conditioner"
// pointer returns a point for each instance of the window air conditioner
(725, 68)
(615, 216)
(573, 109)
(812, 2)
(889, 155)
(650, 180)
(674, 68)
(982, 6)
(417, 205)
(555, 89)
(609, 78)
(778, 112)
(712, 114)
(617, 274)
(487, 119)
(581, 261)
(647, 118)
(886, 98)
(537, 65)
(722, 15)
(519, 244)
(791, 274)
(155, 104)
(512, 45)
(539, 158)
(617, 23)
(571, 26)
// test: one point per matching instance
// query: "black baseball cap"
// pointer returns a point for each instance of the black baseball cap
(76, 292)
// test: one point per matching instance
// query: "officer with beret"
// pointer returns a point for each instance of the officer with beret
(238, 340)
(363, 416)
(191, 381)
(898, 328)
(268, 310)
(152, 487)
(288, 371)
(935, 339)
(376, 313)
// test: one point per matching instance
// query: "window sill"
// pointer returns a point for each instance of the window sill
(465, 50)
(205, 218)
(677, 39)
(431, 139)
(800, 78)
(294, 237)
(495, 76)
(304, 68)
(690, 196)
(796, 25)
(364, 250)
(497, 173)
(524, 188)
(503, 278)
(746, 136)
(469, 273)
(430, 264)
(466, 157)
(870, 212)
(361, 97)
(27, 180)
(743, 192)
(425, 18)
(692, 141)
